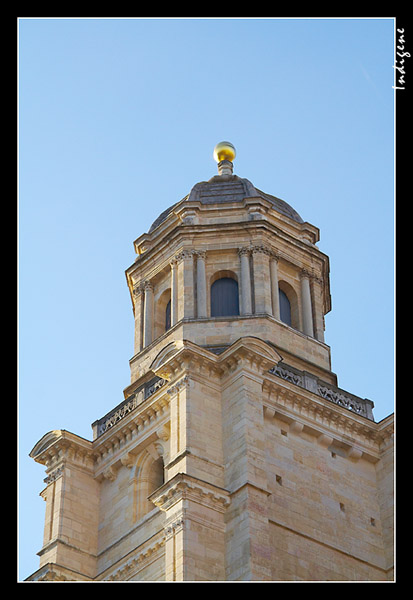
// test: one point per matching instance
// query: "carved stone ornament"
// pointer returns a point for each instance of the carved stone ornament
(185, 254)
(54, 475)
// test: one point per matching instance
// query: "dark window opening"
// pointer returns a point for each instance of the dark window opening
(285, 308)
(224, 298)
(168, 316)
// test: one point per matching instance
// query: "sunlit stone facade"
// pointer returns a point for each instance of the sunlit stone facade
(234, 455)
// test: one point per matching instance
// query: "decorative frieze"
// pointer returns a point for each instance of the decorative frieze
(142, 393)
(124, 410)
(353, 403)
(287, 374)
(336, 396)
(151, 388)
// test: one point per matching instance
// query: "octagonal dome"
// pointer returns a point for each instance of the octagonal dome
(230, 188)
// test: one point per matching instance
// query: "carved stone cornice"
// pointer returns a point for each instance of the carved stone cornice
(324, 418)
(187, 487)
(55, 572)
(148, 551)
(188, 359)
(146, 418)
(61, 447)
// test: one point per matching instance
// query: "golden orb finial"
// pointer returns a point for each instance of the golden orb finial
(224, 151)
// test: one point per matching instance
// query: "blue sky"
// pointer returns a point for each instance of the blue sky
(118, 119)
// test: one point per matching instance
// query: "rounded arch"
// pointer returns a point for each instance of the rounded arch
(224, 294)
(221, 274)
(162, 311)
(147, 475)
(289, 312)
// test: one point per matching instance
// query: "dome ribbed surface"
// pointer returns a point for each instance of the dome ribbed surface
(222, 189)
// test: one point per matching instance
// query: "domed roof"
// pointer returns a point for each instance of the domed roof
(228, 188)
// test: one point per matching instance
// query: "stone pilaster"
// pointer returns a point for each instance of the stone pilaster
(306, 304)
(194, 528)
(72, 502)
(262, 282)
(201, 284)
(138, 296)
(185, 261)
(148, 314)
(317, 285)
(174, 292)
(275, 295)
(246, 305)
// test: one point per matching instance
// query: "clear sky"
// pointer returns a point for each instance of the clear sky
(118, 119)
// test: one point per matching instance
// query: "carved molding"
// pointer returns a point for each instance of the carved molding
(139, 561)
(327, 421)
(261, 249)
(54, 475)
(173, 527)
(183, 487)
(179, 385)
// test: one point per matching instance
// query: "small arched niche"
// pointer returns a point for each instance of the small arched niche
(148, 477)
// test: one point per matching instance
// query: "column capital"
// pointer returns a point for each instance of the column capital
(184, 254)
(304, 274)
(200, 254)
(310, 275)
(138, 288)
(261, 249)
(147, 286)
(244, 251)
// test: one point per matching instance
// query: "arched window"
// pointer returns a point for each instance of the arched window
(168, 316)
(162, 313)
(285, 308)
(224, 298)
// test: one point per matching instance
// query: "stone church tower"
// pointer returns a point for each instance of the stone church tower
(234, 455)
